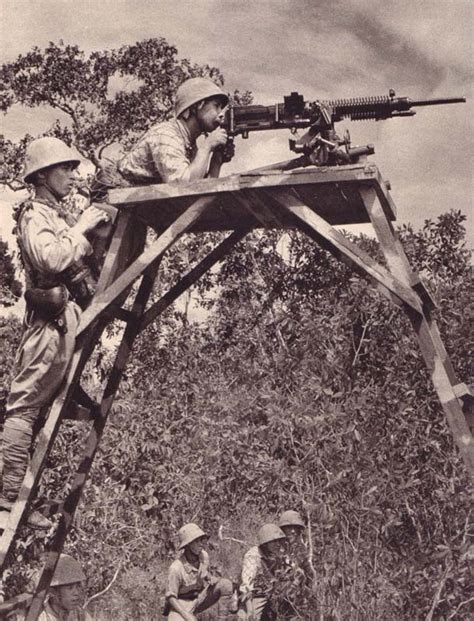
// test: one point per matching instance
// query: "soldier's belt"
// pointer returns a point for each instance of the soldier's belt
(47, 303)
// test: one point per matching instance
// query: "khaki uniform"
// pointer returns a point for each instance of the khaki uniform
(76, 615)
(195, 593)
(49, 245)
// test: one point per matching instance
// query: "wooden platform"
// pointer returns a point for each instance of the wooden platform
(332, 193)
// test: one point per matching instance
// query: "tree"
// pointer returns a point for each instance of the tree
(101, 98)
(10, 287)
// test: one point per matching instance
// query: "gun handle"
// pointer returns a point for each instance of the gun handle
(217, 160)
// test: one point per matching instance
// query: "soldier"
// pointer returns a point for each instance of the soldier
(299, 571)
(260, 568)
(168, 151)
(293, 526)
(191, 588)
(66, 595)
(53, 246)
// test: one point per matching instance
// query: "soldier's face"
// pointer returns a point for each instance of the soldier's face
(211, 114)
(276, 547)
(293, 533)
(197, 546)
(59, 179)
(69, 596)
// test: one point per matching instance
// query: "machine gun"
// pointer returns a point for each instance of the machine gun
(320, 145)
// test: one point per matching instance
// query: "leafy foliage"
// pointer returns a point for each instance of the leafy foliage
(288, 394)
(101, 98)
(10, 286)
(300, 388)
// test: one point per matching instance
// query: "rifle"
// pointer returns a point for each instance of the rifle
(320, 145)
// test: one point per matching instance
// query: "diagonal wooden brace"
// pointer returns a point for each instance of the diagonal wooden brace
(150, 256)
(333, 241)
(192, 277)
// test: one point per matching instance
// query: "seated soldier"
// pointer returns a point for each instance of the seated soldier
(53, 247)
(298, 571)
(293, 526)
(191, 588)
(260, 568)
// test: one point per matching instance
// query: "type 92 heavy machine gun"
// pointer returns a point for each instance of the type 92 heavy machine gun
(320, 145)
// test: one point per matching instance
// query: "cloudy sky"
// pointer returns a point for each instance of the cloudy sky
(321, 48)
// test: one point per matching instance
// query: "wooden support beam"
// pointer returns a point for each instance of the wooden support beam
(436, 358)
(192, 277)
(20, 602)
(253, 202)
(148, 258)
(343, 249)
(72, 500)
(46, 438)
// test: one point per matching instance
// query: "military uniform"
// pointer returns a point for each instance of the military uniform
(79, 614)
(49, 245)
(162, 155)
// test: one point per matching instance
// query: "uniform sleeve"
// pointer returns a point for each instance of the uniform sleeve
(174, 580)
(49, 249)
(250, 566)
(168, 152)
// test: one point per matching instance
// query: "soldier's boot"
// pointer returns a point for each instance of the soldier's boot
(17, 437)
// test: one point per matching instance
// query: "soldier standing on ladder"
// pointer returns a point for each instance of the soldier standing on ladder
(53, 246)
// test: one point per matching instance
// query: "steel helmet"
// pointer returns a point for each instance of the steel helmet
(196, 89)
(44, 152)
(291, 518)
(68, 571)
(189, 533)
(269, 532)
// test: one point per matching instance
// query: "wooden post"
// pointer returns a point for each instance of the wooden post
(433, 351)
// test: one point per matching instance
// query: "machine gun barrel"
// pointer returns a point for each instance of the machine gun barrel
(437, 102)
(383, 107)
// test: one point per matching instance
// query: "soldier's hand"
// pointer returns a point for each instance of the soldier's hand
(216, 138)
(90, 218)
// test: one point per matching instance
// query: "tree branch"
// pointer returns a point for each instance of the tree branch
(107, 588)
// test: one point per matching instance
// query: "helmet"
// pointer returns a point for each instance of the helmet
(269, 532)
(45, 152)
(196, 89)
(291, 518)
(189, 533)
(67, 571)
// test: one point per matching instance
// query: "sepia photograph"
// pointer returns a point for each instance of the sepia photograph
(236, 307)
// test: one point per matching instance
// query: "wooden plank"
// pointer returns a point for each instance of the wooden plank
(345, 250)
(72, 500)
(46, 438)
(133, 196)
(192, 277)
(435, 356)
(15, 603)
(396, 260)
(113, 257)
(104, 299)
(252, 201)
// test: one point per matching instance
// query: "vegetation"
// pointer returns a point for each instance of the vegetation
(300, 387)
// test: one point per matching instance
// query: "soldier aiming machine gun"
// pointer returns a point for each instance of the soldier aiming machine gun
(320, 145)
